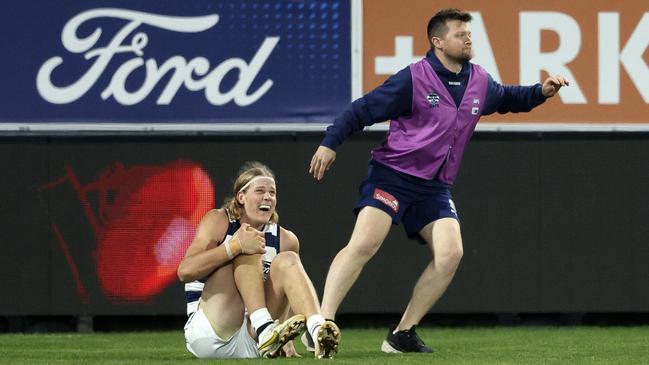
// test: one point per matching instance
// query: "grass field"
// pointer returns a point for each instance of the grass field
(499, 345)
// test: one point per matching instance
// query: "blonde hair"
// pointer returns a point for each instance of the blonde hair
(247, 172)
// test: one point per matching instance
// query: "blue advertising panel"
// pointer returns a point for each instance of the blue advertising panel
(179, 61)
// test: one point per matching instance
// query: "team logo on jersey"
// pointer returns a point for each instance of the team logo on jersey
(387, 199)
(433, 98)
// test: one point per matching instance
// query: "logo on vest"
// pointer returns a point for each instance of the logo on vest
(433, 99)
(387, 199)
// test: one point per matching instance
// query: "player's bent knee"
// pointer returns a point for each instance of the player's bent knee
(290, 256)
(286, 260)
(456, 254)
(449, 260)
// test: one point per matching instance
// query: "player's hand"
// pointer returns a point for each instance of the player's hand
(551, 85)
(321, 161)
(289, 350)
(251, 240)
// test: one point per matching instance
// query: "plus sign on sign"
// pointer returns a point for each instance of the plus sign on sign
(601, 47)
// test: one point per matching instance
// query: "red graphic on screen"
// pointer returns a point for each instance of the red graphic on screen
(145, 219)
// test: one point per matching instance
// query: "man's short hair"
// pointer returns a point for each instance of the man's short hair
(437, 24)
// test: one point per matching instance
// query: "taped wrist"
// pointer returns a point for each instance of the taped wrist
(228, 248)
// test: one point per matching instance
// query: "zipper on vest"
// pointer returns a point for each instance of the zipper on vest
(446, 158)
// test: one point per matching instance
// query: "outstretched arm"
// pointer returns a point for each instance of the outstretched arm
(389, 101)
(321, 162)
(515, 98)
(551, 85)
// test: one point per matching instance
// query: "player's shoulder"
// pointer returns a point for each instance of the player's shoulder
(477, 67)
(215, 218)
(289, 240)
(211, 229)
(215, 213)
(286, 233)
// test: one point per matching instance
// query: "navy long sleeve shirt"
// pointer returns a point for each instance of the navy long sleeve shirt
(393, 99)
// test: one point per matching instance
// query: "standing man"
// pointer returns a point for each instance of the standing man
(433, 106)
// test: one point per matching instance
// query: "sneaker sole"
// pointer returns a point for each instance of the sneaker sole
(283, 333)
(387, 348)
(328, 340)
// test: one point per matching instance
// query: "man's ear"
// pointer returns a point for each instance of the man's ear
(436, 42)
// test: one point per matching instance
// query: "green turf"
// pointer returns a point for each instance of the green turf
(501, 345)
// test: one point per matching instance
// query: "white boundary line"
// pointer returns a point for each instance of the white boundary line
(161, 127)
(357, 48)
(554, 127)
(153, 128)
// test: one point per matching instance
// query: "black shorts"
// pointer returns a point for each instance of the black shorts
(408, 199)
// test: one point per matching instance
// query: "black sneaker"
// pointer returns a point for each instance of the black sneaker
(404, 341)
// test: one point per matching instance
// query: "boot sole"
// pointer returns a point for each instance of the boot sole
(328, 340)
(283, 333)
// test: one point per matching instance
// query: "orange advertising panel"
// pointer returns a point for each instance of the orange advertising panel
(600, 46)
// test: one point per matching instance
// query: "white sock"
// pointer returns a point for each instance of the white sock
(313, 323)
(260, 317)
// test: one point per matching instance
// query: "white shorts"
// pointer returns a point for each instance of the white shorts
(204, 343)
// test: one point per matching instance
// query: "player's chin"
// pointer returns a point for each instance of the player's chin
(265, 214)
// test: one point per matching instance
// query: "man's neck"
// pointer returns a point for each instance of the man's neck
(449, 64)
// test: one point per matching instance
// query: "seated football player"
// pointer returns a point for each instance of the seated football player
(242, 272)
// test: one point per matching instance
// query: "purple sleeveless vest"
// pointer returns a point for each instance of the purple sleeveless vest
(429, 143)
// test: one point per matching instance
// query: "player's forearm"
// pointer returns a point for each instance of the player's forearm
(200, 265)
(344, 126)
(388, 101)
(521, 98)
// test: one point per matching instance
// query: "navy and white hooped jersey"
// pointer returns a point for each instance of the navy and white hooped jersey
(194, 289)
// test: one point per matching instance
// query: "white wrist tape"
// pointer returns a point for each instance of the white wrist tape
(228, 250)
